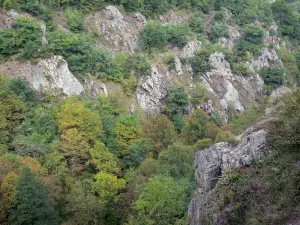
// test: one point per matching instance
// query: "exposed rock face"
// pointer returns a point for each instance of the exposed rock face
(120, 32)
(6, 18)
(267, 58)
(172, 18)
(94, 87)
(212, 162)
(51, 73)
(191, 47)
(152, 90)
(178, 66)
(234, 36)
(226, 89)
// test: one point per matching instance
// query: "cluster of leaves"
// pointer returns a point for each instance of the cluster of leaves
(251, 42)
(247, 11)
(287, 19)
(155, 35)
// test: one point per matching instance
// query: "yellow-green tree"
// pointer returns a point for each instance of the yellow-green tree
(103, 160)
(128, 131)
(108, 187)
(79, 128)
(160, 131)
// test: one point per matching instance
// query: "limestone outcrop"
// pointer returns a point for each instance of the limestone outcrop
(50, 73)
(118, 32)
(228, 90)
(267, 59)
(212, 163)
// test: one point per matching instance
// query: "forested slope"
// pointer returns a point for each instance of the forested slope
(103, 105)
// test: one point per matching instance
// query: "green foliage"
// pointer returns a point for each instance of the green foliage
(203, 143)
(196, 23)
(138, 152)
(160, 131)
(129, 85)
(153, 35)
(79, 128)
(226, 136)
(178, 122)
(290, 63)
(177, 161)
(177, 101)
(219, 31)
(176, 34)
(243, 120)
(287, 19)
(74, 19)
(194, 128)
(132, 5)
(155, 7)
(103, 160)
(10, 4)
(83, 205)
(287, 135)
(252, 41)
(162, 200)
(200, 62)
(25, 93)
(32, 202)
(24, 31)
(30, 146)
(246, 12)
(40, 124)
(242, 69)
(81, 53)
(108, 187)
(199, 94)
(273, 77)
(128, 131)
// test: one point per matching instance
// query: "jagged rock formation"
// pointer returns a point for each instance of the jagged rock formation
(268, 58)
(94, 87)
(6, 18)
(120, 33)
(152, 90)
(190, 48)
(226, 89)
(233, 36)
(51, 73)
(211, 163)
(172, 18)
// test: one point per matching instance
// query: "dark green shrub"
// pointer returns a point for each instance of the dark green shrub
(153, 35)
(203, 143)
(287, 19)
(176, 34)
(177, 101)
(241, 69)
(226, 136)
(196, 23)
(200, 62)
(25, 93)
(252, 41)
(178, 122)
(81, 53)
(75, 19)
(218, 31)
(273, 77)
(219, 16)
(289, 61)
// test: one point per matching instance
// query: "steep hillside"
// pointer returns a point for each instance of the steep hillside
(104, 106)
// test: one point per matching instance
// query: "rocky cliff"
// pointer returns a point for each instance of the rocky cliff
(213, 163)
